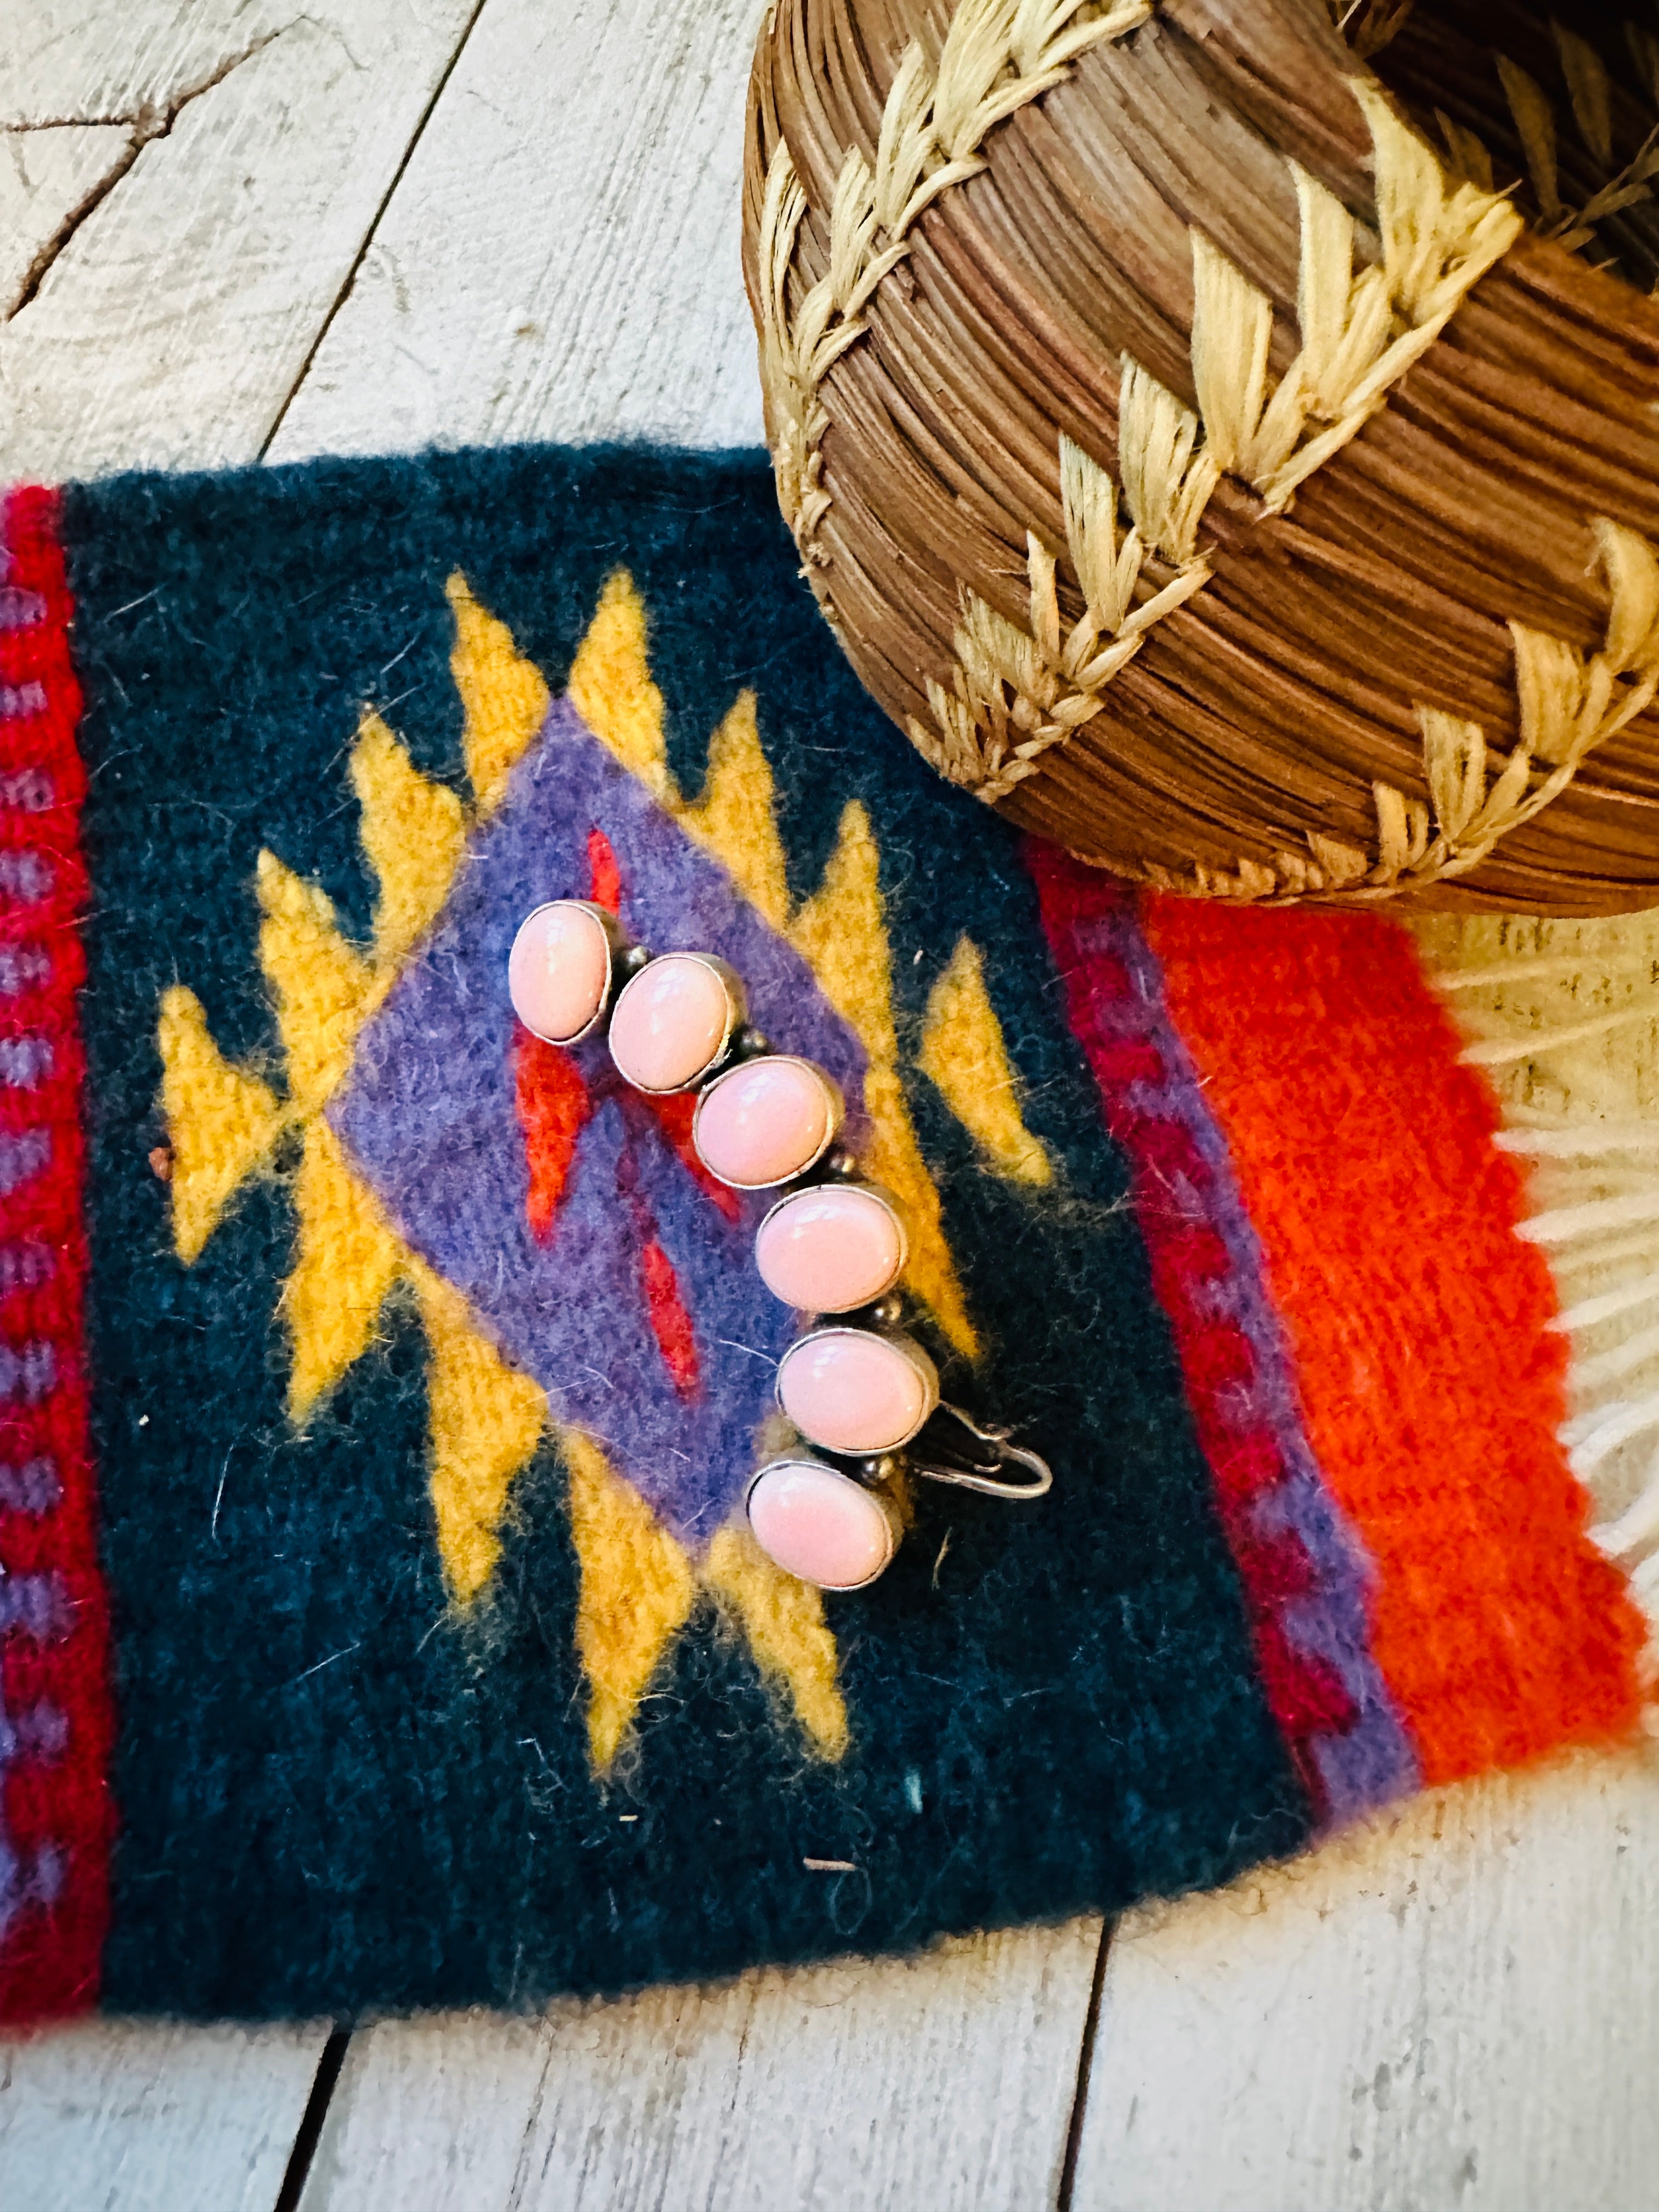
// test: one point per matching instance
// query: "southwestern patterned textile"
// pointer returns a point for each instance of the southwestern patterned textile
(378, 1384)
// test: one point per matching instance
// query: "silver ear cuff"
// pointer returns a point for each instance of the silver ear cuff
(858, 1388)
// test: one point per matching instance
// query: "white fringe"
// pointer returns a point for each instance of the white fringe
(1566, 1026)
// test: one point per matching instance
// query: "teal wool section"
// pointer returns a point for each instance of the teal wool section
(336, 1795)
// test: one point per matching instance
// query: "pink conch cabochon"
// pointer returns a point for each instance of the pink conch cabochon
(673, 1021)
(831, 1249)
(558, 974)
(766, 1122)
(820, 1525)
(852, 1390)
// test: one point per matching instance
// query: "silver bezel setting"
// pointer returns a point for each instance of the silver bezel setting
(831, 1090)
(882, 1197)
(615, 946)
(895, 1341)
(737, 1011)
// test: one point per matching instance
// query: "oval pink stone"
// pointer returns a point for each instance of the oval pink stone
(830, 1248)
(851, 1390)
(765, 1122)
(820, 1525)
(671, 1023)
(559, 970)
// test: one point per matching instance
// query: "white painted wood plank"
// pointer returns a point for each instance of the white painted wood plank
(174, 322)
(46, 178)
(562, 259)
(113, 2117)
(1454, 2011)
(943, 2081)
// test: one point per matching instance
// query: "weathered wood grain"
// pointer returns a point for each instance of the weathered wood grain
(944, 2082)
(174, 318)
(561, 259)
(106, 2116)
(1454, 2011)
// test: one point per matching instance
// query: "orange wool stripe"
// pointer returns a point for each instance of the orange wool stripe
(1432, 1393)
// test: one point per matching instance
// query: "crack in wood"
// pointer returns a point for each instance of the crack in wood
(148, 121)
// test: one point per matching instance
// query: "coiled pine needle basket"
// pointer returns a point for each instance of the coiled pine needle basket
(1224, 437)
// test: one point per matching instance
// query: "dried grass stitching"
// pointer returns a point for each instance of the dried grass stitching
(1014, 694)
(998, 55)
(1589, 92)
(1570, 702)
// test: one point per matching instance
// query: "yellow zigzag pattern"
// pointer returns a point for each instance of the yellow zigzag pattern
(639, 1586)
(963, 1055)
(484, 1419)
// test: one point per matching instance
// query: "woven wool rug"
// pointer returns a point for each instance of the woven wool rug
(378, 1625)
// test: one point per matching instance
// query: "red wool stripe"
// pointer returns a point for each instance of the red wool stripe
(553, 1109)
(604, 875)
(55, 1812)
(670, 1323)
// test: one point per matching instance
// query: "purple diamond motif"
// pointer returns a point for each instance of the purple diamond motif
(428, 1116)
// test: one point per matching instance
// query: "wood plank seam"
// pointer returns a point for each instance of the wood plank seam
(1085, 2059)
(307, 2135)
(345, 292)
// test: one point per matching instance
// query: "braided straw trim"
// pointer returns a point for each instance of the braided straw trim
(1019, 693)
(1570, 702)
(1014, 694)
(998, 56)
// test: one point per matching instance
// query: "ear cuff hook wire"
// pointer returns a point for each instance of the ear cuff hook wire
(1004, 1452)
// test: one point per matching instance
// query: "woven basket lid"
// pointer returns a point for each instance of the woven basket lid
(1225, 441)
